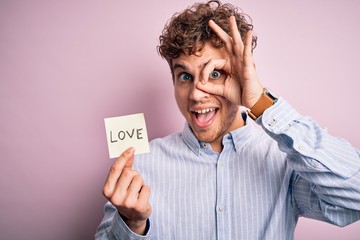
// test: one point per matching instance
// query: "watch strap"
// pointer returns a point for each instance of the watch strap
(265, 101)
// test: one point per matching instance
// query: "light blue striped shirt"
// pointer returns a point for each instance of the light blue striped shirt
(256, 188)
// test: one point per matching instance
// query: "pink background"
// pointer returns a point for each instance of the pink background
(67, 65)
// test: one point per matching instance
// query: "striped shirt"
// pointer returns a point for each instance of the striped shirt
(260, 184)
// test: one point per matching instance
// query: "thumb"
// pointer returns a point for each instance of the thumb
(129, 156)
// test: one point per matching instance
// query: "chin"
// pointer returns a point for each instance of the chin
(207, 136)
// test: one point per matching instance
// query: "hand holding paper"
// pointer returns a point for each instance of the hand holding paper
(126, 190)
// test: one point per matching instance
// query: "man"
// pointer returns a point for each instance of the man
(221, 177)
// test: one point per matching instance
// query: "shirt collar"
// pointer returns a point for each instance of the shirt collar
(238, 138)
(190, 140)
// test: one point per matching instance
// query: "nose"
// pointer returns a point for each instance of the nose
(196, 94)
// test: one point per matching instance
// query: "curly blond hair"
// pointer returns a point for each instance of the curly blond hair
(188, 31)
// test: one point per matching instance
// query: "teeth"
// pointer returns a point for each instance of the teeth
(205, 110)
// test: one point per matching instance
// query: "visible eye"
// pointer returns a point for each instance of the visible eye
(185, 77)
(215, 74)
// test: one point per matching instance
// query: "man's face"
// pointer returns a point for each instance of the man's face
(209, 116)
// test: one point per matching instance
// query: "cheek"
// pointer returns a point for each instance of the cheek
(230, 109)
(180, 97)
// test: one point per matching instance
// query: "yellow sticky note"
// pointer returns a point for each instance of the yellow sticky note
(124, 132)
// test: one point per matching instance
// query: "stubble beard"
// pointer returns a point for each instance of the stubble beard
(211, 136)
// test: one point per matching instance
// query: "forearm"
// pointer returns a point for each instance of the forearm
(330, 165)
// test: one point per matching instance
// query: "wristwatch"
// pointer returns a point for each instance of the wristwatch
(266, 100)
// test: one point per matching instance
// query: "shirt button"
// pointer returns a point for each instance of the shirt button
(221, 164)
(301, 147)
(272, 122)
(221, 208)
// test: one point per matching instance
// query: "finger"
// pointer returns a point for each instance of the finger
(130, 160)
(135, 187)
(122, 187)
(221, 34)
(116, 170)
(238, 44)
(211, 88)
(143, 199)
(210, 66)
(248, 46)
(140, 206)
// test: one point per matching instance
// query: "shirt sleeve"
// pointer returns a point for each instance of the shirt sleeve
(326, 184)
(113, 227)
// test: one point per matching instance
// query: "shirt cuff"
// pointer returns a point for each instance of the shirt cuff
(122, 231)
(279, 117)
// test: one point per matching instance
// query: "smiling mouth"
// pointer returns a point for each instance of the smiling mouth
(204, 117)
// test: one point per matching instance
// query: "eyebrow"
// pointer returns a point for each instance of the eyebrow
(178, 65)
(182, 66)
